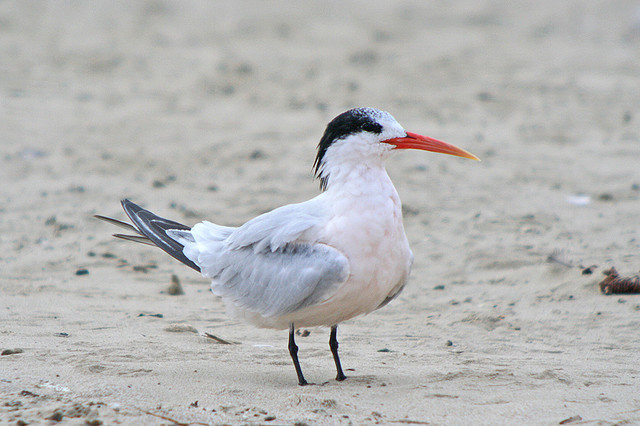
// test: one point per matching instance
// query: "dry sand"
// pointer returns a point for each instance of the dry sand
(213, 110)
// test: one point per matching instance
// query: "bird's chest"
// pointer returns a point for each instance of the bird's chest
(370, 233)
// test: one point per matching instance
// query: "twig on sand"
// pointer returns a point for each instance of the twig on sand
(218, 339)
(174, 421)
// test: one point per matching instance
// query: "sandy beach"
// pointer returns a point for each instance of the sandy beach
(213, 110)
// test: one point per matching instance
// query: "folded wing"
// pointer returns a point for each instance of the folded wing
(266, 266)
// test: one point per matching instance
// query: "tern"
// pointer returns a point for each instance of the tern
(339, 255)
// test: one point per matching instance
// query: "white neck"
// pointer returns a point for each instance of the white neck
(362, 180)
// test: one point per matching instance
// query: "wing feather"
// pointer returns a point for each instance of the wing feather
(273, 230)
(264, 266)
(274, 283)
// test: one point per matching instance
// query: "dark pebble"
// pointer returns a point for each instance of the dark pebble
(144, 268)
(366, 58)
(82, 272)
(485, 96)
(175, 288)
(257, 154)
(11, 351)
(439, 287)
(57, 416)
(589, 270)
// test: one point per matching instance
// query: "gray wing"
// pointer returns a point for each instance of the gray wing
(263, 266)
(278, 282)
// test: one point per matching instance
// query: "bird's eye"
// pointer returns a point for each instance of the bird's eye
(372, 127)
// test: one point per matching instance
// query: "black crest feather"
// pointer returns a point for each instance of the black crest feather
(348, 123)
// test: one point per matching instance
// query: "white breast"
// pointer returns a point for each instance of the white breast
(365, 224)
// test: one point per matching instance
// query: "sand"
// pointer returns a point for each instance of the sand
(202, 110)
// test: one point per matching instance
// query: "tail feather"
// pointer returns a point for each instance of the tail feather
(136, 239)
(121, 224)
(151, 230)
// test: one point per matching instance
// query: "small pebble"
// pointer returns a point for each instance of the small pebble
(589, 270)
(181, 328)
(175, 288)
(449, 343)
(144, 268)
(485, 96)
(57, 416)
(439, 287)
(151, 315)
(257, 154)
(82, 272)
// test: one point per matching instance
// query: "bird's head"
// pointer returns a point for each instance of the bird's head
(363, 136)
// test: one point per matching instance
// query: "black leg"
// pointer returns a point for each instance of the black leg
(333, 344)
(293, 351)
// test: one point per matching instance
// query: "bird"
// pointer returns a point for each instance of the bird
(339, 255)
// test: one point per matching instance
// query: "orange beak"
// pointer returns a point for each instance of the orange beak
(425, 143)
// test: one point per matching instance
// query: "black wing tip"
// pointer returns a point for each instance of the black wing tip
(154, 228)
